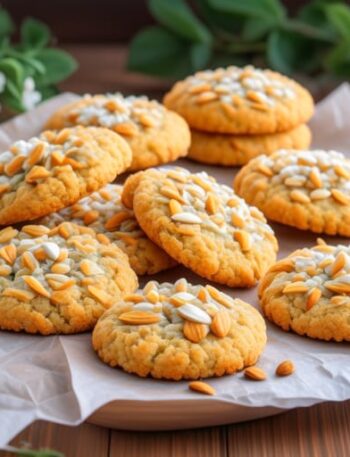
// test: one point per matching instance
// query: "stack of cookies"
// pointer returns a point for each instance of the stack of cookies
(236, 114)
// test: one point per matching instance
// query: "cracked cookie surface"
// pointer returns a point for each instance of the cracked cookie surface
(180, 331)
(308, 292)
(155, 134)
(234, 150)
(202, 224)
(240, 101)
(59, 280)
(308, 190)
(54, 170)
(104, 212)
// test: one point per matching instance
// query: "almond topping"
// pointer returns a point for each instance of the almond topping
(61, 137)
(134, 298)
(57, 158)
(5, 270)
(338, 288)
(342, 172)
(99, 295)
(146, 120)
(139, 318)
(285, 368)
(73, 163)
(315, 177)
(299, 196)
(195, 332)
(9, 253)
(125, 128)
(37, 173)
(206, 97)
(237, 220)
(202, 295)
(221, 324)
(7, 234)
(15, 165)
(36, 154)
(313, 297)
(36, 286)
(255, 373)
(295, 288)
(22, 295)
(202, 387)
(211, 204)
(243, 239)
(153, 296)
(199, 88)
(338, 263)
(265, 170)
(174, 207)
(340, 197)
(286, 265)
(202, 183)
(173, 174)
(171, 193)
(60, 268)
(90, 217)
(218, 296)
(115, 221)
(35, 230)
(65, 230)
(103, 239)
(29, 261)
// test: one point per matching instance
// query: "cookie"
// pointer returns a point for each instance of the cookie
(54, 170)
(104, 212)
(155, 134)
(203, 225)
(240, 101)
(308, 292)
(60, 280)
(233, 150)
(180, 331)
(308, 190)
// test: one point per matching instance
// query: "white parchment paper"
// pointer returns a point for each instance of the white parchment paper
(60, 379)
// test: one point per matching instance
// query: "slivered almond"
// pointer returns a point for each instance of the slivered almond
(103, 239)
(29, 261)
(115, 221)
(202, 295)
(286, 265)
(265, 170)
(202, 387)
(243, 239)
(195, 332)
(299, 196)
(221, 324)
(325, 262)
(61, 137)
(139, 318)
(173, 174)
(153, 296)
(285, 368)
(338, 288)
(35, 230)
(313, 297)
(170, 193)
(73, 163)
(295, 288)
(9, 253)
(338, 263)
(56, 285)
(125, 128)
(255, 373)
(211, 204)
(218, 296)
(15, 165)
(57, 158)
(22, 295)
(199, 88)
(5, 270)
(99, 295)
(7, 234)
(36, 154)
(134, 298)
(90, 217)
(60, 268)
(315, 178)
(186, 230)
(36, 286)
(340, 197)
(206, 97)
(174, 207)
(342, 172)
(36, 173)
(202, 183)
(237, 220)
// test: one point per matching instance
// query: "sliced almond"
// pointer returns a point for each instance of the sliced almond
(295, 288)
(299, 196)
(286, 265)
(315, 178)
(206, 97)
(338, 263)
(36, 154)
(313, 297)
(202, 295)
(15, 165)
(29, 261)
(171, 193)
(103, 239)
(265, 170)
(35, 230)
(9, 253)
(340, 197)
(36, 286)
(7, 234)
(18, 294)
(60, 268)
(90, 217)
(187, 218)
(57, 158)
(285, 368)
(153, 296)
(174, 207)
(255, 373)
(221, 324)
(237, 220)
(218, 296)
(337, 287)
(99, 295)
(199, 88)
(193, 313)
(342, 172)
(116, 220)
(181, 285)
(243, 239)
(139, 318)
(5, 270)
(61, 137)
(195, 332)
(125, 128)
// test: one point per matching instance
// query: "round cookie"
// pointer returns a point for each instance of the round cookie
(240, 101)
(59, 280)
(308, 190)
(233, 150)
(309, 292)
(155, 134)
(203, 225)
(54, 170)
(104, 212)
(179, 331)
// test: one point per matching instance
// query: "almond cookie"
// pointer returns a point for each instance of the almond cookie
(59, 280)
(155, 134)
(233, 150)
(56, 169)
(309, 292)
(240, 101)
(104, 212)
(203, 225)
(308, 190)
(179, 331)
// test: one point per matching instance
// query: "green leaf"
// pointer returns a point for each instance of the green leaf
(179, 18)
(12, 102)
(58, 65)
(218, 20)
(156, 51)
(34, 34)
(200, 54)
(6, 23)
(339, 16)
(255, 8)
(13, 70)
(338, 60)
(257, 28)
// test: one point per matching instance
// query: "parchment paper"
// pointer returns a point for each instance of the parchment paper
(60, 379)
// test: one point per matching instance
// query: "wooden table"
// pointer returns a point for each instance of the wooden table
(319, 431)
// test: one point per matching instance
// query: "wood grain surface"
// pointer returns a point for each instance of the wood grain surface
(319, 431)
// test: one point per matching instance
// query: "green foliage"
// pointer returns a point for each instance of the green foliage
(198, 34)
(29, 69)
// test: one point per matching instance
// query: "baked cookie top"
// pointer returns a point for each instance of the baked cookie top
(241, 101)
(180, 331)
(54, 170)
(305, 189)
(309, 292)
(202, 224)
(155, 134)
(58, 280)
(104, 212)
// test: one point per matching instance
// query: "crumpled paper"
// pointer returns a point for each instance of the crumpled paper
(60, 378)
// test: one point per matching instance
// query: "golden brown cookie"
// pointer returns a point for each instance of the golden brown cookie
(203, 225)
(233, 150)
(104, 212)
(179, 331)
(240, 101)
(155, 134)
(308, 190)
(60, 280)
(309, 292)
(54, 170)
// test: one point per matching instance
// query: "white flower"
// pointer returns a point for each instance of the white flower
(2, 81)
(30, 96)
